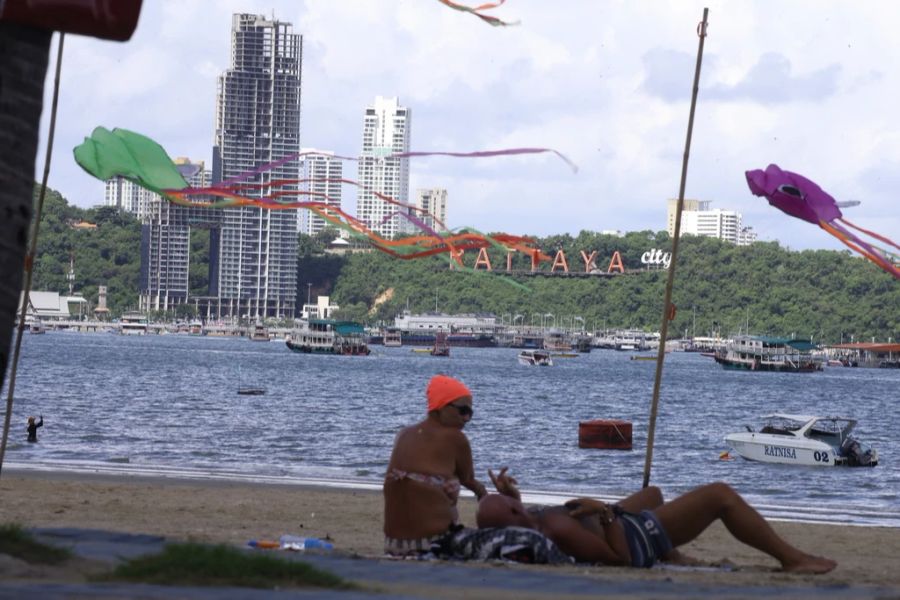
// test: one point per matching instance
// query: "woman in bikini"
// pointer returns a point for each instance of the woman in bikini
(430, 461)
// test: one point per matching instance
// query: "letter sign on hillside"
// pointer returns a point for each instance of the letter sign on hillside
(483, 259)
(656, 257)
(589, 264)
(560, 260)
(616, 263)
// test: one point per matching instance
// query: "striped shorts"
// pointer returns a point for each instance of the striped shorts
(647, 540)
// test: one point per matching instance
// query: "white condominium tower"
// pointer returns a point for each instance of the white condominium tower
(698, 219)
(321, 172)
(434, 202)
(128, 196)
(386, 130)
(258, 122)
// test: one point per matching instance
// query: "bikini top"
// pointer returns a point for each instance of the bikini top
(449, 485)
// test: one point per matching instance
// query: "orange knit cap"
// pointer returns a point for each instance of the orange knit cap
(443, 390)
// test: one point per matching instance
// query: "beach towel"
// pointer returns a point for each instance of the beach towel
(518, 544)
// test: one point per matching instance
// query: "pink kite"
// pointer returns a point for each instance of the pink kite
(801, 198)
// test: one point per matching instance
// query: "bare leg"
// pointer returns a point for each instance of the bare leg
(647, 498)
(650, 498)
(689, 515)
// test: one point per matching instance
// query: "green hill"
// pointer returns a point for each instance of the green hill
(823, 294)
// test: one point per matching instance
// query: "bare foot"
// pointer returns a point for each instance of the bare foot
(813, 565)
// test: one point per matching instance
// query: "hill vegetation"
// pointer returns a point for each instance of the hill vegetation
(823, 294)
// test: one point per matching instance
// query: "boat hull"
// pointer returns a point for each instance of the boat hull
(766, 366)
(782, 450)
(323, 349)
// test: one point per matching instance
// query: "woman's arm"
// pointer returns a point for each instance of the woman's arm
(465, 471)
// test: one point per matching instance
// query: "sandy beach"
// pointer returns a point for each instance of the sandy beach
(235, 512)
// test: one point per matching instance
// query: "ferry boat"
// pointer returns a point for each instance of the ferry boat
(469, 340)
(762, 353)
(133, 323)
(259, 333)
(557, 341)
(392, 338)
(327, 336)
(630, 341)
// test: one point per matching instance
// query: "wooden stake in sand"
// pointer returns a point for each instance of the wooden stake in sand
(668, 307)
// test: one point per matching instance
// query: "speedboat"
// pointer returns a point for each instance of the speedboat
(803, 440)
(539, 358)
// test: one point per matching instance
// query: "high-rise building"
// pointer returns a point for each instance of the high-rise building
(257, 123)
(166, 246)
(688, 205)
(386, 131)
(697, 218)
(321, 172)
(434, 202)
(128, 196)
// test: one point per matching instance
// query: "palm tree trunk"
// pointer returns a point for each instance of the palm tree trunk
(23, 66)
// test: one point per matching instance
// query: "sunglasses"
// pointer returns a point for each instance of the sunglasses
(463, 409)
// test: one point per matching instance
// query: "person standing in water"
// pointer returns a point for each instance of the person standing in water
(33, 427)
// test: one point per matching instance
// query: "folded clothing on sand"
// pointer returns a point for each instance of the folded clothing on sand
(507, 543)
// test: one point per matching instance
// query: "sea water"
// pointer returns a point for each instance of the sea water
(168, 405)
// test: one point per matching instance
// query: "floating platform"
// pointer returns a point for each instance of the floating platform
(610, 434)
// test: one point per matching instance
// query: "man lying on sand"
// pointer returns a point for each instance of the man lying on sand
(592, 531)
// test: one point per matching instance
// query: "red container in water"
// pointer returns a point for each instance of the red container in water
(605, 433)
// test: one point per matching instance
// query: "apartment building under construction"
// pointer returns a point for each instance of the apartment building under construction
(258, 123)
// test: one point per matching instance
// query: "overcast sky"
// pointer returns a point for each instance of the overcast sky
(809, 85)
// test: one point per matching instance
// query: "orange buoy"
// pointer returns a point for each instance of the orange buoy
(612, 434)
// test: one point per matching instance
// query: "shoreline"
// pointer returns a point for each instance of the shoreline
(852, 516)
(233, 512)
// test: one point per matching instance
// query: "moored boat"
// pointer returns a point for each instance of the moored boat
(259, 333)
(441, 345)
(251, 390)
(36, 326)
(763, 353)
(134, 323)
(327, 336)
(803, 440)
(538, 358)
(392, 338)
(558, 341)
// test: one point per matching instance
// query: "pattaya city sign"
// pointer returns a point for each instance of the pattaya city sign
(560, 263)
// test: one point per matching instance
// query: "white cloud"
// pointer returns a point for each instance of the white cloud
(805, 84)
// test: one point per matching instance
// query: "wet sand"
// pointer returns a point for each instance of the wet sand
(235, 512)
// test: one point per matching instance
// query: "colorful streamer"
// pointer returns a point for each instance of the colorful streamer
(476, 10)
(120, 152)
(799, 197)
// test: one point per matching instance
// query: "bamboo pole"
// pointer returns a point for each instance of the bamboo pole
(668, 307)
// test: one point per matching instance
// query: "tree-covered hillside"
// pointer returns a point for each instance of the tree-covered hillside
(106, 255)
(823, 294)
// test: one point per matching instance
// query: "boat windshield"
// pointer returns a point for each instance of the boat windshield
(780, 426)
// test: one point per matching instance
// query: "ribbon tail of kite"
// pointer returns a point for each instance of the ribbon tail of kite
(871, 233)
(489, 153)
(850, 240)
(476, 10)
